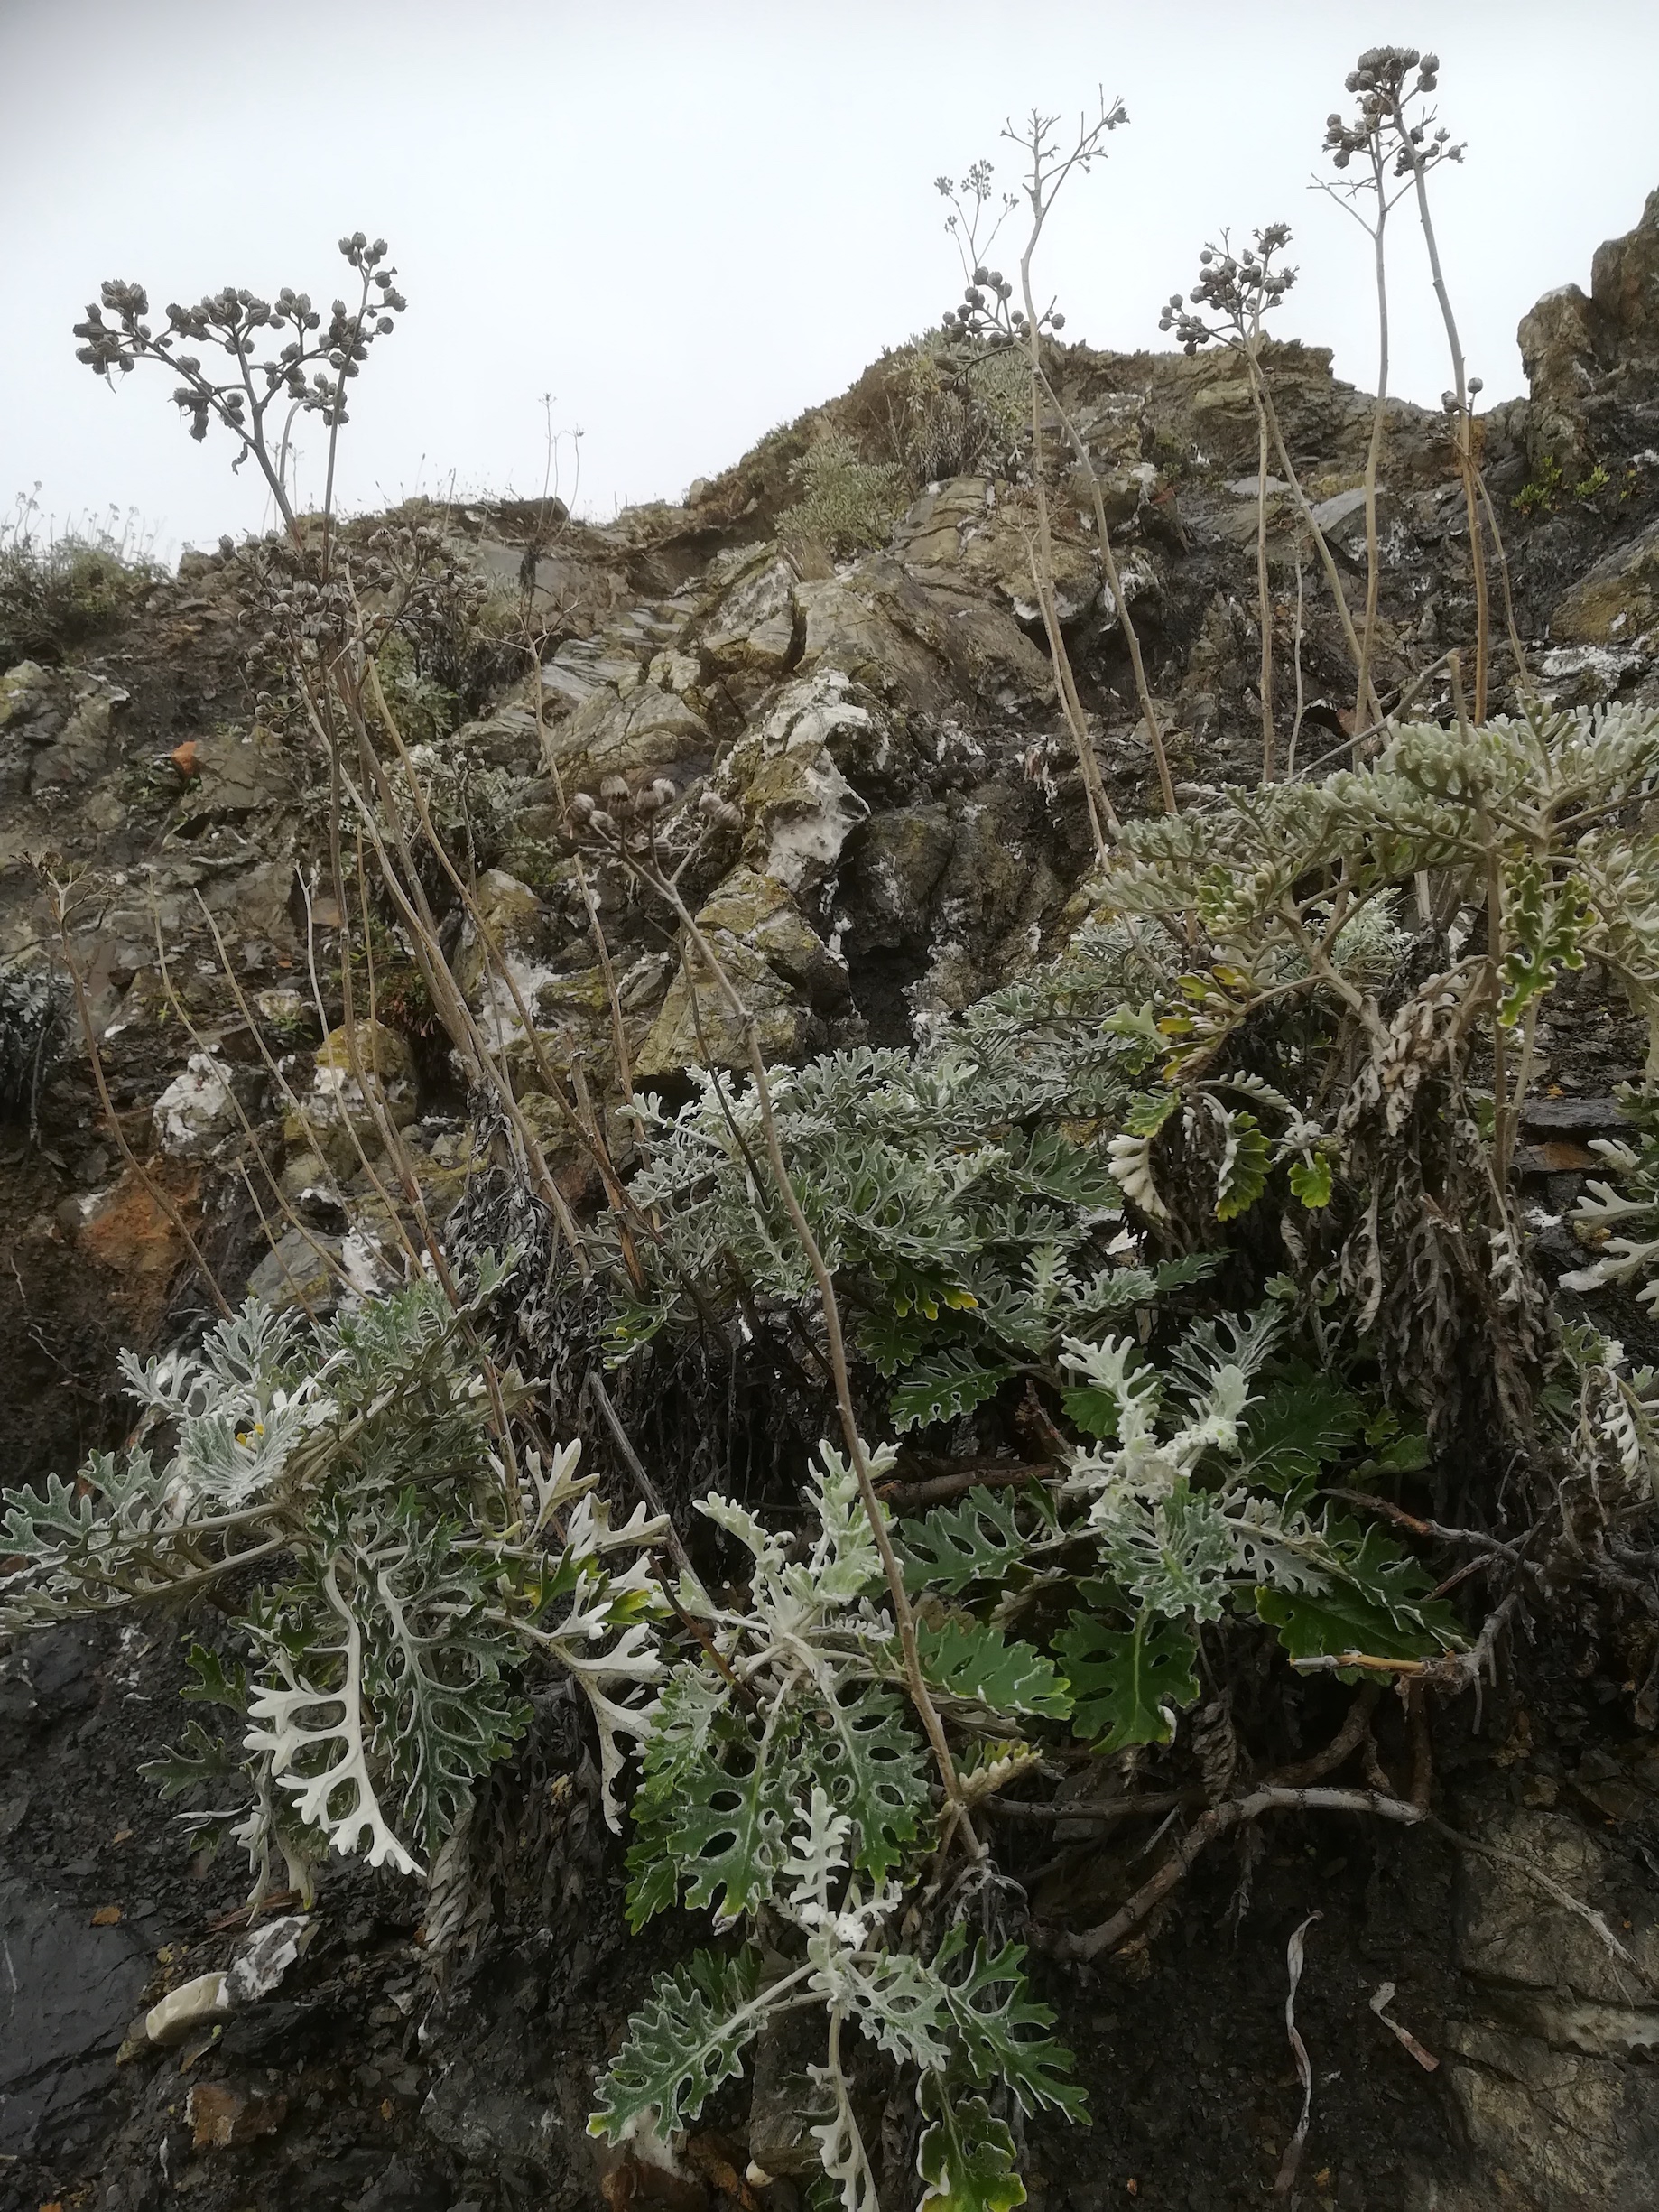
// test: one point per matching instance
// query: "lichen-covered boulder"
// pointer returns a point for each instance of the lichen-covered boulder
(1616, 603)
(754, 627)
(785, 1026)
(509, 919)
(196, 1109)
(780, 966)
(339, 1114)
(758, 909)
(798, 805)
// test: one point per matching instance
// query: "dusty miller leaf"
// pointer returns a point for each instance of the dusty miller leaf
(1001, 2032)
(943, 1386)
(1122, 1680)
(1296, 1427)
(726, 1823)
(682, 2043)
(964, 2156)
(857, 1744)
(965, 1659)
(1245, 1158)
(1310, 1179)
(955, 1545)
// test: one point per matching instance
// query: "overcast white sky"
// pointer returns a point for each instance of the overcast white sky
(689, 221)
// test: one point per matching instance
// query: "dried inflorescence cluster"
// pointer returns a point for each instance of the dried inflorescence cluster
(987, 313)
(404, 579)
(625, 817)
(230, 319)
(1381, 79)
(1236, 289)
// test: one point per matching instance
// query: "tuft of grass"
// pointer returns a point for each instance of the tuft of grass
(59, 592)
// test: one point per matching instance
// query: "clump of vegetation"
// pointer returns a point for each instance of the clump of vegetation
(848, 505)
(1545, 493)
(60, 592)
(1169, 1322)
(949, 414)
(395, 1576)
(31, 1020)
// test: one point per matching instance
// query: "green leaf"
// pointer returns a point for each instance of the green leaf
(725, 1828)
(966, 1658)
(1076, 1177)
(1147, 1112)
(1173, 1555)
(692, 1706)
(891, 1340)
(198, 1758)
(1389, 1578)
(1310, 1179)
(1177, 1274)
(216, 1684)
(859, 1747)
(1547, 924)
(899, 2003)
(923, 1291)
(1323, 1623)
(1406, 1454)
(682, 2043)
(1297, 1426)
(1383, 1606)
(978, 1540)
(1094, 1411)
(943, 1386)
(1001, 2033)
(1245, 1158)
(1122, 1678)
(437, 1677)
(964, 2156)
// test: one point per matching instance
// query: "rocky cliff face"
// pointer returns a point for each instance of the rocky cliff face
(902, 829)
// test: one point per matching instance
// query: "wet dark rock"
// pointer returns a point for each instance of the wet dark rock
(1565, 1116)
(68, 1992)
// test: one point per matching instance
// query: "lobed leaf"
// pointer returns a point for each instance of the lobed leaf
(1125, 1681)
(965, 1659)
(943, 1386)
(682, 2043)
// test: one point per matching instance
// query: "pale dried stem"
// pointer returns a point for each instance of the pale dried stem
(1463, 420)
(904, 1616)
(1263, 395)
(1042, 576)
(457, 1016)
(392, 1139)
(1108, 559)
(1264, 589)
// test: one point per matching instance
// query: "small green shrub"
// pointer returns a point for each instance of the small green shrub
(850, 504)
(1546, 491)
(392, 1580)
(955, 412)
